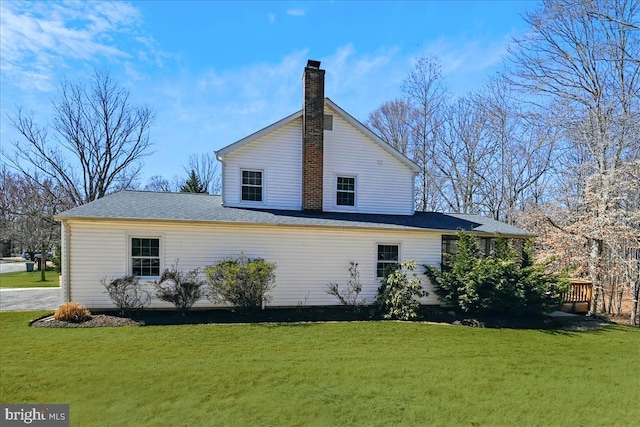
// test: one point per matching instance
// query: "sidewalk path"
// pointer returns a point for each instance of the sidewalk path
(30, 299)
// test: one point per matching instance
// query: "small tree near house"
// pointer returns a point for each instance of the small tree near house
(127, 293)
(399, 292)
(499, 284)
(349, 295)
(241, 282)
(180, 288)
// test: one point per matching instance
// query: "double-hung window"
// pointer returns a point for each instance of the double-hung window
(388, 256)
(252, 185)
(346, 191)
(145, 256)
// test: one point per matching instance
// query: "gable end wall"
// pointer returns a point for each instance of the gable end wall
(384, 184)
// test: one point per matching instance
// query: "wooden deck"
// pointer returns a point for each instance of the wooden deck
(578, 298)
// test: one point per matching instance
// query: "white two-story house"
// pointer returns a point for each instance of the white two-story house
(312, 193)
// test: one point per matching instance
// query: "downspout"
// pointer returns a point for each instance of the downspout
(66, 261)
(413, 193)
(220, 158)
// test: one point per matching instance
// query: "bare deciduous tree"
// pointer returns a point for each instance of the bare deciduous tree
(458, 156)
(203, 170)
(393, 121)
(426, 94)
(521, 158)
(27, 208)
(160, 184)
(206, 168)
(94, 143)
(581, 58)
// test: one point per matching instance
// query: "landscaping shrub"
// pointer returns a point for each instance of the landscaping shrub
(72, 312)
(179, 288)
(398, 293)
(500, 284)
(241, 282)
(127, 293)
(350, 295)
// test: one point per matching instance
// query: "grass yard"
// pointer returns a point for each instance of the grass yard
(324, 374)
(24, 279)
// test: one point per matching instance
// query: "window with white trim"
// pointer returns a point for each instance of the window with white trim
(345, 191)
(388, 258)
(145, 256)
(251, 185)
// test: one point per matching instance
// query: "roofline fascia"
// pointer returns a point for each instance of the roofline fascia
(245, 223)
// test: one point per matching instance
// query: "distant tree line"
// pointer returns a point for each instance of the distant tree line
(94, 145)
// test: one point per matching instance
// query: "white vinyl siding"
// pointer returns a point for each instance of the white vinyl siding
(307, 258)
(278, 155)
(384, 184)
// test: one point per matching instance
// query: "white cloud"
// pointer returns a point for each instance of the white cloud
(40, 38)
(211, 109)
(465, 61)
(360, 82)
(230, 104)
(296, 12)
(259, 94)
(272, 17)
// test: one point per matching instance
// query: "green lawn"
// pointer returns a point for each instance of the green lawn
(324, 374)
(23, 279)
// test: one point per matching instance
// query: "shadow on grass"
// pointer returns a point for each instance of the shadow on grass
(580, 325)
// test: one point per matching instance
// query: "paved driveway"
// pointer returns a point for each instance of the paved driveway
(27, 298)
(12, 266)
(30, 299)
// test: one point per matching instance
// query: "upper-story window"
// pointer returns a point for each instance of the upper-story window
(252, 185)
(346, 191)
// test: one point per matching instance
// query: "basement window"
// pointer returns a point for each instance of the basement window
(346, 191)
(252, 185)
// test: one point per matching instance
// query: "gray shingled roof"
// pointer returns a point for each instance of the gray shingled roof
(152, 206)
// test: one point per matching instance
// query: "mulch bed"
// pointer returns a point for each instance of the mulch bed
(95, 321)
(309, 314)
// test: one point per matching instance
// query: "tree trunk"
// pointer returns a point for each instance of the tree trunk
(43, 264)
(605, 308)
(620, 298)
(635, 292)
(595, 256)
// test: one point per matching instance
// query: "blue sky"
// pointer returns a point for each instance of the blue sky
(217, 71)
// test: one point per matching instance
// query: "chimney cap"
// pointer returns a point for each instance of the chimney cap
(313, 64)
